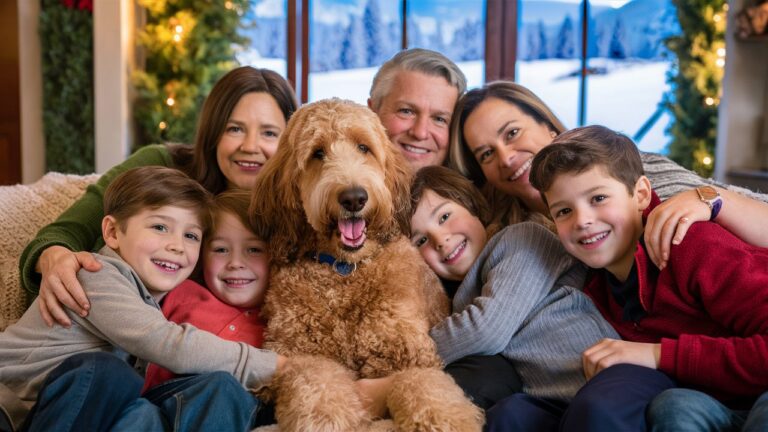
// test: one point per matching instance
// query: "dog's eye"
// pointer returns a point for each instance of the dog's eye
(319, 154)
(363, 148)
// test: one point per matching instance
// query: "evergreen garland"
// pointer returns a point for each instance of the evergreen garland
(696, 78)
(66, 43)
(187, 45)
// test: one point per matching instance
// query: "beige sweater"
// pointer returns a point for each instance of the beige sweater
(123, 315)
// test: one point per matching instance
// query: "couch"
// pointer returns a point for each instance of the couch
(24, 209)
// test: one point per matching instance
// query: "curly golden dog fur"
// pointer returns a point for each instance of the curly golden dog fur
(349, 296)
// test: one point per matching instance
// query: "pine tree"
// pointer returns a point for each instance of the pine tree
(543, 54)
(353, 52)
(565, 47)
(468, 40)
(395, 37)
(276, 40)
(436, 39)
(415, 37)
(531, 44)
(617, 47)
(188, 46)
(374, 40)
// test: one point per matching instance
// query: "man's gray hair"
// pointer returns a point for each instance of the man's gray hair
(421, 60)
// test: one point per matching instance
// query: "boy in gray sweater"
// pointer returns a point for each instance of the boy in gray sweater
(519, 294)
(61, 377)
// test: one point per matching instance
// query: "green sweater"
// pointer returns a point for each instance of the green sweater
(79, 227)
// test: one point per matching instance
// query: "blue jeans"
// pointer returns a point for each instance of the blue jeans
(208, 402)
(98, 392)
(613, 400)
(86, 392)
(690, 410)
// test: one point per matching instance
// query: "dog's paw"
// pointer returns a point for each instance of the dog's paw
(430, 400)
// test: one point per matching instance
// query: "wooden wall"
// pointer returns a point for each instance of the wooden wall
(10, 131)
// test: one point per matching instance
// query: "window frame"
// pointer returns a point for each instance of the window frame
(500, 42)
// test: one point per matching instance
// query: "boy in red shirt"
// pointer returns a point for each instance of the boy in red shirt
(701, 319)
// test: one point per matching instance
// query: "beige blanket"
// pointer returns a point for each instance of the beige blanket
(24, 209)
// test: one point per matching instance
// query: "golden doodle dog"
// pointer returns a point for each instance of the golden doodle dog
(349, 297)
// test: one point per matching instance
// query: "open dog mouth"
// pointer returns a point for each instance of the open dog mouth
(352, 232)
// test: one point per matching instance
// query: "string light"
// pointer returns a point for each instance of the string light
(228, 5)
(720, 62)
(162, 125)
(170, 101)
(707, 160)
(721, 52)
(709, 101)
(717, 17)
(179, 28)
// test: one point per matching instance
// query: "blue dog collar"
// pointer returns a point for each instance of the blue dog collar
(341, 267)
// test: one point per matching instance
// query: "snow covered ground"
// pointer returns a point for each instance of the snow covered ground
(623, 98)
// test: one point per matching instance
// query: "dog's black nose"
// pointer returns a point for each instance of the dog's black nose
(353, 199)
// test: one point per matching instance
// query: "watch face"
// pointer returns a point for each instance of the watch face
(708, 193)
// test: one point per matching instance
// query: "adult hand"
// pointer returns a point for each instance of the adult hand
(668, 223)
(609, 352)
(59, 285)
(373, 393)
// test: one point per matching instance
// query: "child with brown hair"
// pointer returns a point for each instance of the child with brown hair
(700, 319)
(65, 378)
(518, 294)
(236, 273)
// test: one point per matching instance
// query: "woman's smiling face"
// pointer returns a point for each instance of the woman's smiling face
(250, 138)
(504, 140)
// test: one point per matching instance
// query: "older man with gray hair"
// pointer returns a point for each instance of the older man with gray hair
(414, 94)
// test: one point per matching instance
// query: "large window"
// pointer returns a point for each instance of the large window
(592, 61)
(267, 28)
(455, 28)
(348, 41)
(609, 70)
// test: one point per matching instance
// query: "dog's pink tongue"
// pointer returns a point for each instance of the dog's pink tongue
(352, 231)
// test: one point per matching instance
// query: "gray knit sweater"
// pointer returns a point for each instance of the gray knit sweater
(521, 298)
(123, 315)
(668, 178)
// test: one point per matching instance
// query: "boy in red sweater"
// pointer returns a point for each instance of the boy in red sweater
(701, 320)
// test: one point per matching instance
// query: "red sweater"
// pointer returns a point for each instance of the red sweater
(708, 308)
(192, 303)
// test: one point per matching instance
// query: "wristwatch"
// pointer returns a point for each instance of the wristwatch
(711, 197)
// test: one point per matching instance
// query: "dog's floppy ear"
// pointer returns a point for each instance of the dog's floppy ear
(398, 176)
(276, 214)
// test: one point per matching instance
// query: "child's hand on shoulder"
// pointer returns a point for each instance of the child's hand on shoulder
(609, 352)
